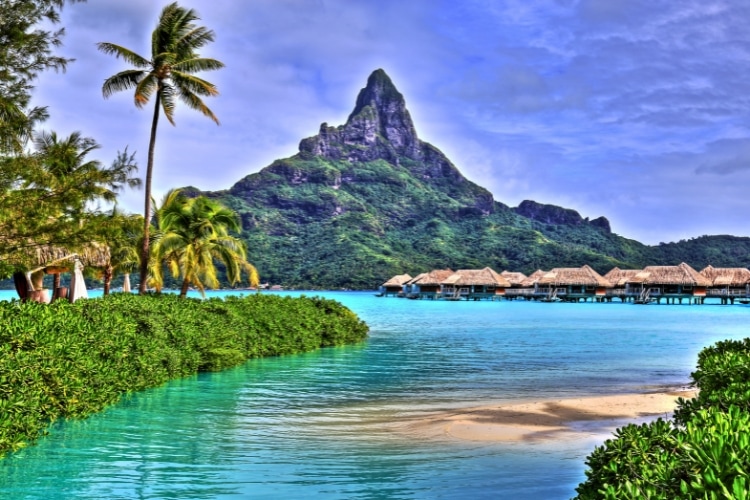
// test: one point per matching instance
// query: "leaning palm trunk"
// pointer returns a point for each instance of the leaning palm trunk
(147, 207)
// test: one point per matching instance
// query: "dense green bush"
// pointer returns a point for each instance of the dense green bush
(70, 360)
(703, 453)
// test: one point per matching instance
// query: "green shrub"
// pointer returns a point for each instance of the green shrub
(70, 360)
(703, 453)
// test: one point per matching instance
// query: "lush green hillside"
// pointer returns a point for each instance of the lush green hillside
(366, 200)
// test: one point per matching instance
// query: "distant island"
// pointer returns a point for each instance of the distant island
(363, 201)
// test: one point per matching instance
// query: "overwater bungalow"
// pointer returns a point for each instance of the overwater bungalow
(528, 287)
(516, 280)
(574, 284)
(620, 286)
(428, 285)
(394, 286)
(474, 284)
(410, 286)
(670, 283)
(728, 283)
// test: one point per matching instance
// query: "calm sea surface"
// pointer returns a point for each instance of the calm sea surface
(320, 424)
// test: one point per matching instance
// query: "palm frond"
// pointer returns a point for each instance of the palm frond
(196, 64)
(123, 53)
(195, 38)
(145, 89)
(168, 101)
(195, 102)
(123, 80)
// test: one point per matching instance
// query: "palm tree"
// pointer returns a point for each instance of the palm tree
(168, 75)
(121, 234)
(192, 234)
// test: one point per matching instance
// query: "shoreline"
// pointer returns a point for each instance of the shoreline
(547, 419)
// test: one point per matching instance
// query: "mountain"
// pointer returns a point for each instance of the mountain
(366, 200)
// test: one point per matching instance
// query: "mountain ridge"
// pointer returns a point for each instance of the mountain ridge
(368, 199)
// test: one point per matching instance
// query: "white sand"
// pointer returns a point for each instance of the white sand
(542, 420)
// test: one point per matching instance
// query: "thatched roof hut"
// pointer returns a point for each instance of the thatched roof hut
(619, 277)
(682, 274)
(476, 277)
(397, 281)
(56, 259)
(433, 278)
(584, 276)
(726, 276)
(533, 278)
(514, 278)
(415, 279)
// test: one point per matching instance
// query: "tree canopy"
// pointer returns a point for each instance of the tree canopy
(168, 74)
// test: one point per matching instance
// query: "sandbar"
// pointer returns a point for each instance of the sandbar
(569, 418)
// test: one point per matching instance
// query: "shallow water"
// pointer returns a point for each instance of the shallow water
(321, 423)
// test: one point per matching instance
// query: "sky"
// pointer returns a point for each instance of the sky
(635, 110)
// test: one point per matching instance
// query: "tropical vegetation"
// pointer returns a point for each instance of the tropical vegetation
(702, 452)
(310, 228)
(68, 360)
(168, 75)
(191, 234)
(49, 193)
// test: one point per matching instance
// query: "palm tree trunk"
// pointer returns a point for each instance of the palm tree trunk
(107, 279)
(147, 207)
(184, 289)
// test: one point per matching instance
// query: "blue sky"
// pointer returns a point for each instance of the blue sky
(635, 110)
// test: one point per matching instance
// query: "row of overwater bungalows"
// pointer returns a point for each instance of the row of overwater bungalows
(671, 284)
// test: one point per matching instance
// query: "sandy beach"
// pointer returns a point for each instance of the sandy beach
(571, 418)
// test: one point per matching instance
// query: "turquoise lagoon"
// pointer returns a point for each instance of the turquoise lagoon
(326, 424)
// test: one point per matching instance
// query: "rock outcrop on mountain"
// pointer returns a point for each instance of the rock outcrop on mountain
(552, 214)
(380, 127)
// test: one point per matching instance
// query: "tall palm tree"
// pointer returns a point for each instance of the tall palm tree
(192, 234)
(168, 75)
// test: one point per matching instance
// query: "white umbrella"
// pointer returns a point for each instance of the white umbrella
(126, 283)
(77, 285)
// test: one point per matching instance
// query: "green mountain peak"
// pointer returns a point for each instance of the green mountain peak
(368, 200)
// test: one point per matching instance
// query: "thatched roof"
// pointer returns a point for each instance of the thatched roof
(398, 280)
(670, 275)
(574, 276)
(416, 278)
(90, 255)
(726, 276)
(469, 277)
(434, 277)
(618, 277)
(533, 278)
(514, 278)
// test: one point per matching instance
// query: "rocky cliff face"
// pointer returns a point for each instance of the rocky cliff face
(379, 129)
(552, 214)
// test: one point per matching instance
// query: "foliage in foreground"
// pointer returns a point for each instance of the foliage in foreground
(704, 452)
(70, 360)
